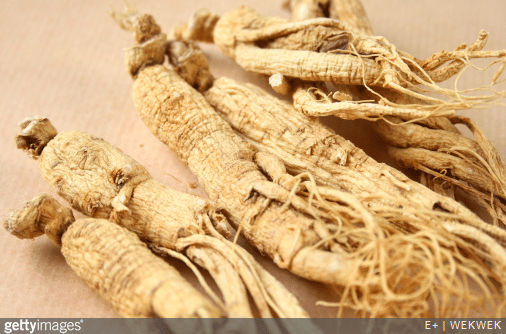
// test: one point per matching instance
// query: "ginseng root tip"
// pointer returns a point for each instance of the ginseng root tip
(41, 215)
(34, 135)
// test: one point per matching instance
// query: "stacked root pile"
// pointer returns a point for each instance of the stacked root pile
(344, 232)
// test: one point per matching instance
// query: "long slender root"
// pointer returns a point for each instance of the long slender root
(367, 227)
(321, 49)
(453, 150)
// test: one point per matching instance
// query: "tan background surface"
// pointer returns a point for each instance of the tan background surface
(64, 60)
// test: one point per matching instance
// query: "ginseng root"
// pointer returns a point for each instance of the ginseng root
(447, 159)
(181, 118)
(304, 9)
(336, 244)
(327, 50)
(400, 209)
(349, 11)
(112, 261)
(100, 181)
(474, 166)
(304, 144)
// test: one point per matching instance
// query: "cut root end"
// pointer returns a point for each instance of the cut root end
(34, 135)
(42, 215)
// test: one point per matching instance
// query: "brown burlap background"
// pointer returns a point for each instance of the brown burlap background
(64, 60)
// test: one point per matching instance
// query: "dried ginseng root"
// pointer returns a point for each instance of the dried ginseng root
(101, 181)
(327, 50)
(305, 9)
(401, 213)
(434, 146)
(181, 118)
(112, 261)
(351, 12)
(456, 161)
(340, 244)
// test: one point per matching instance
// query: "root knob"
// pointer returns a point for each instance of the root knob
(34, 135)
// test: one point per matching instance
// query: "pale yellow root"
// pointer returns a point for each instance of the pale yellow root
(199, 27)
(321, 49)
(113, 261)
(355, 230)
(306, 9)
(42, 215)
(454, 148)
(273, 127)
(438, 185)
(345, 52)
(265, 289)
(322, 247)
(228, 280)
(190, 63)
(305, 100)
(107, 183)
(165, 251)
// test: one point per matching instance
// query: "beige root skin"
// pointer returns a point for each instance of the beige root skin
(498, 253)
(323, 49)
(34, 136)
(307, 99)
(443, 137)
(395, 133)
(440, 135)
(138, 54)
(441, 162)
(41, 215)
(269, 61)
(351, 12)
(99, 180)
(307, 9)
(199, 28)
(372, 106)
(113, 261)
(143, 26)
(279, 55)
(183, 117)
(305, 138)
(438, 185)
(148, 37)
(190, 63)
(184, 114)
(137, 284)
(434, 133)
(234, 292)
(280, 84)
(478, 165)
(306, 145)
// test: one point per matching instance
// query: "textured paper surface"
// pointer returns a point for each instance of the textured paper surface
(64, 60)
